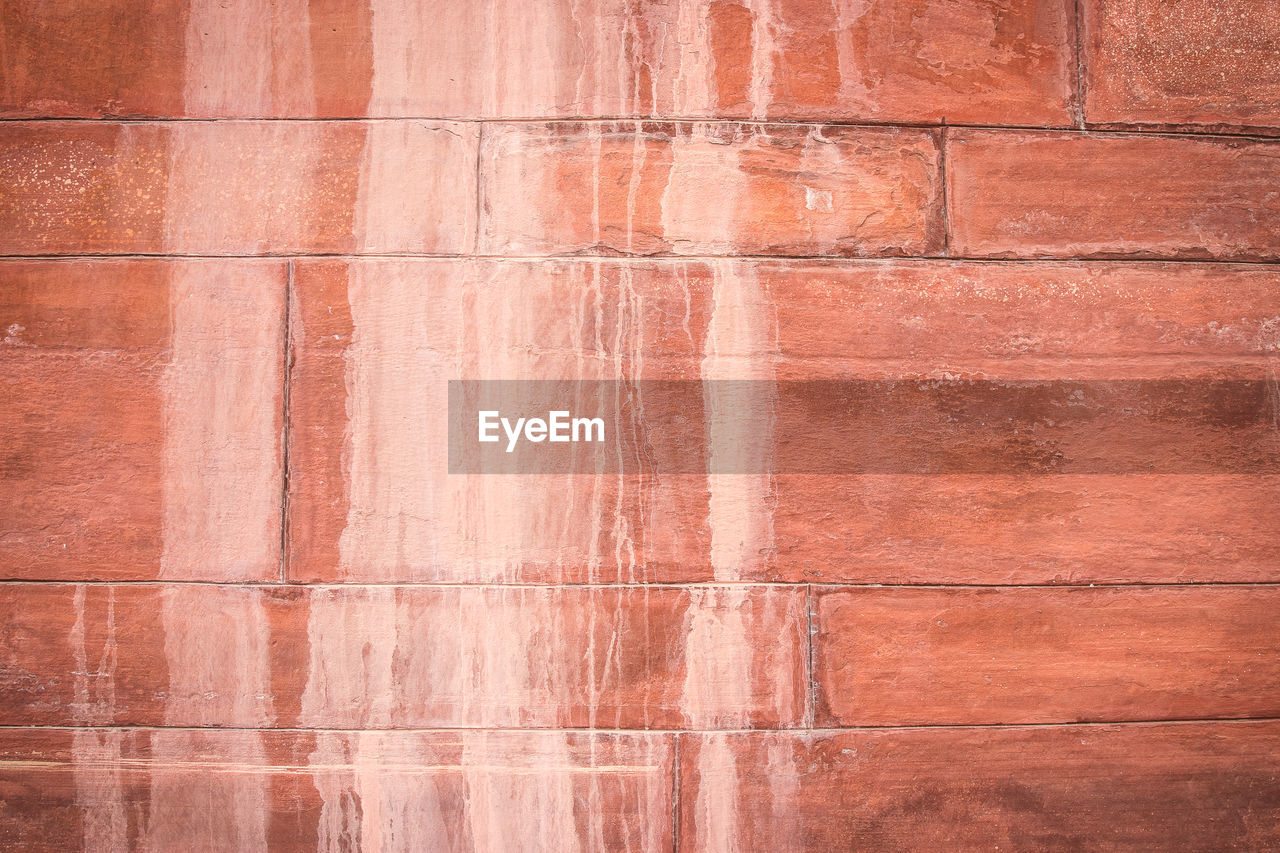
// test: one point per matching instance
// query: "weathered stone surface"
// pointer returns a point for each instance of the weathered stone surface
(1082, 195)
(233, 188)
(142, 428)
(376, 340)
(1003, 62)
(1018, 529)
(1207, 63)
(244, 604)
(963, 656)
(1198, 786)
(174, 789)
(375, 657)
(715, 189)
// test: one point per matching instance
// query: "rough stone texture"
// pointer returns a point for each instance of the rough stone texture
(1193, 786)
(410, 657)
(375, 340)
(234, 188)
(977, 656)
(997, 62)
(174, 789)
(239, 589)
(1211, 63)
(1084, 195)
(143, 420)
(1058, 529)
(695, 189)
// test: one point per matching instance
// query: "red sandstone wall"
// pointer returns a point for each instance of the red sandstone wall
(244, 606)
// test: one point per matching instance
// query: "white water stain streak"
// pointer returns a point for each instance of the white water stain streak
(416, 325)
(717, 819)
(217, 649)
(505, 812)
(217, 644)
(407, 198)
(693, 86)
(96, 753)
(395, 467)
(222, 471)
(222, 484)
(731, 681)
(250, 58)
(100, 794)
(741, 344)
(93, 682)
(204, 810)
(489, 791)
(352, 636)
(765, 22)
(715, 808)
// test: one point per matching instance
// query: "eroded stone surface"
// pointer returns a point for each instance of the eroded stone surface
(977, 656)
(1083, 195)
(142, 431)
(330, 791)
(1003, 62)
(409, 657)
(1125, 787)
(375, 342)
(234, 188)
(1187, 62)
(709, 189)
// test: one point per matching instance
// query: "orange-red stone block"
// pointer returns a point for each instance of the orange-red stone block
(174, 789)
(236, 188)
(142, 428)
(1032, 195)
(1005, 62)
(374, 657)
(1153, 787)
(1203, 64)
(709, 189)
(375, 342)
(978, 656)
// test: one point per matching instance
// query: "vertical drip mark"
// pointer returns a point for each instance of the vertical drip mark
(97, 758)
(95, 753)
(352, 637)
(1079, 62)
(783, 774)
(217, 646)
(716, 808)
(628, 344)
(946, 192)
(94, 689)
(596, 135)
(378, 826)
(394, 509)
(675, 791)
(478, 231)
(693, 86)
(222, 810)
(221, 435)
(811, 681)
(638, 155)
(505, 809)
(846, 56)
(338, 827)
(740, 353)
(286, 423)
(719, 658)
(763, 56)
